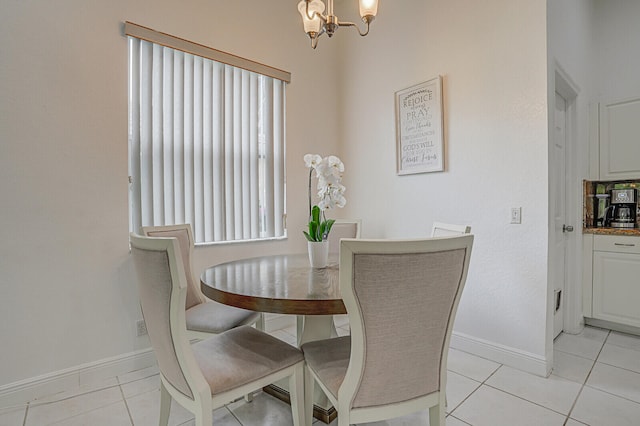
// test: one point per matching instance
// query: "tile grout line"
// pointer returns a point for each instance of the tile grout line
(26, 412)
(460, 420)
(624, 347)
(126, 405)
(34, 403)
(136, 380)
(540, 405)
(474, 391)
(85, 413)
(578, 356)
(621, 368)
(233, 415)
(16, 406)
(524, 399)
(613, 394)
(617, 346)
(575, 401)
(607, 332)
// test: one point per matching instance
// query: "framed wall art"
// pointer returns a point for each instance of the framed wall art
(419, 135)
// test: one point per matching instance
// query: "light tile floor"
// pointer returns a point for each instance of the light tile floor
(596, 382)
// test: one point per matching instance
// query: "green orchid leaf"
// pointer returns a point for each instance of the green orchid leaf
(322, 230)
(319, 232)
(330, 223)
(313, 230)
(326, 228)
(315, 214)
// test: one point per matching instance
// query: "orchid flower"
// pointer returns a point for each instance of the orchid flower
(312, 160)
(330, 191)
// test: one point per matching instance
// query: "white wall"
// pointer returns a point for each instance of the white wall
(492, 56)
(617, 49)
(66, 291)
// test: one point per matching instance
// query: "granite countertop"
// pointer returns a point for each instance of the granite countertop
(612, 231)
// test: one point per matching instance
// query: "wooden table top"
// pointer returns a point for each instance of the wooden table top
(283, 284)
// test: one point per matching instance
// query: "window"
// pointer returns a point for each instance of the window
(206, 140)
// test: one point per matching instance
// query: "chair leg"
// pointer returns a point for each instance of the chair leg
(437, 415)
(296, 387)
(309, 384)
(299, 327)
(260, 325)
(165, 405)
(343, 421)
(205, 417)
(344, 418)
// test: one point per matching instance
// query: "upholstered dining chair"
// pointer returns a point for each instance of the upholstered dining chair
(204, 317)
(401, 298)
(342, 228)
(214, 371)
(448, 229)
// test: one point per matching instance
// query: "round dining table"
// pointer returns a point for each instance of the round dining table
(282, 284)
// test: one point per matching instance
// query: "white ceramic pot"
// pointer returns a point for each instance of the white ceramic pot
(318, 253)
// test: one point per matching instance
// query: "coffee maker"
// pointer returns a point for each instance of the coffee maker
(622, 211)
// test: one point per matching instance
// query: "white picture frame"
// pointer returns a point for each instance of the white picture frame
(419, 128)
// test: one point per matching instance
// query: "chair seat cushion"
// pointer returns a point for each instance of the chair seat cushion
(329, 360)
(214, 317)
(240, 356)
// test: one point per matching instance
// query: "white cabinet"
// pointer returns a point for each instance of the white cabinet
(619, 145)
(616, 279)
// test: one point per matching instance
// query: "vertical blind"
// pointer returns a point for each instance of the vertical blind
(207, 145)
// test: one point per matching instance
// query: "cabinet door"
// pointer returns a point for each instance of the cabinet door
(616, 287)
(620, 139)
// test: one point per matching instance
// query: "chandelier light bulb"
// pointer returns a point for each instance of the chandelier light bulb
(368, 8)
(316, 23)
(311, 21)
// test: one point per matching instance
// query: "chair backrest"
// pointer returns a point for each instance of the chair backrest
(162, 288)
(343, 228)
(447, 229)
(401, 298)
(185, 238)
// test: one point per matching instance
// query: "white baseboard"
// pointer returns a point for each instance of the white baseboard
(623, 328)
(19, 393)
(506, 355)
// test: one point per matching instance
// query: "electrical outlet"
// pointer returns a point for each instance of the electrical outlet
(516, 215)
(141, 328)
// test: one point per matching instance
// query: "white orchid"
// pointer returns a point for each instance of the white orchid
(328, 171)
(336, 199)
(335, 164)
(331, 196)
(312, 160)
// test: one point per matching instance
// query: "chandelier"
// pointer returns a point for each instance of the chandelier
(317, 23)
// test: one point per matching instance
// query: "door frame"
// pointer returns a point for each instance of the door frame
(559, 241)
(573, 320)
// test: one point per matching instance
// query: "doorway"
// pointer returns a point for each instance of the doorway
(564, 223)
(558, 195)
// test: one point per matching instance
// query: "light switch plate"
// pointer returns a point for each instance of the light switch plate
(516, 215)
